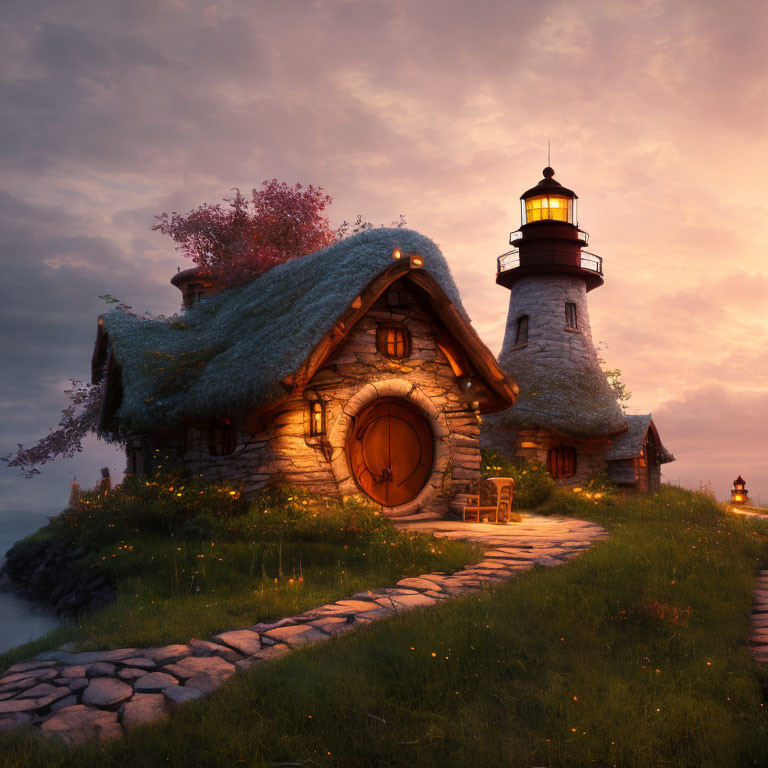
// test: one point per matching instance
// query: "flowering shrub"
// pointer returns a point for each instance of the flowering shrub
(239, 243)
(533, 484)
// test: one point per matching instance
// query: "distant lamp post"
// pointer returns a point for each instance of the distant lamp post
(739, 492)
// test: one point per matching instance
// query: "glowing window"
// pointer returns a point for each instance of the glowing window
(316, 418)
(393, 341)
(548, 207)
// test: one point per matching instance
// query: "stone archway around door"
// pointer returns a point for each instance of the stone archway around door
(339, 433)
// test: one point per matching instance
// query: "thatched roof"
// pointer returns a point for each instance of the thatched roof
(580, 405)
(241, 350)
(629, 444)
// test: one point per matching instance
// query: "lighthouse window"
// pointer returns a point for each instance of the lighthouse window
(548, 207)
(561, 461)
(393, 341)
(571, 315)
(521, 334)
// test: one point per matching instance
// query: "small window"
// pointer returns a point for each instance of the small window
(221, 438)
(393, 341)
(316, 419)
(521, 334)
(571, 316)
(561, 461)
(136, 459)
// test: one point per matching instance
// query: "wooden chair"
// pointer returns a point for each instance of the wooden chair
(502, 510)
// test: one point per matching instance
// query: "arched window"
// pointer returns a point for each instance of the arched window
(316, 419)
(393, 341)
(221, 438)
(561, 461)
(521, 332)
(571, 316)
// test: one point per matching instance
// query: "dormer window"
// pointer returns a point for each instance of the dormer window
(571, 316)
(393, 341)
(521, 332)
(221, 438)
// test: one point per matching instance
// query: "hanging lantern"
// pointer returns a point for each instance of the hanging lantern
(316, 418)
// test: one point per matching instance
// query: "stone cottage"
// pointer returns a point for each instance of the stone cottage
(353, 369)
(567, 416)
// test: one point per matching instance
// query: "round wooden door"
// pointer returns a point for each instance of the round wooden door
(390, 451)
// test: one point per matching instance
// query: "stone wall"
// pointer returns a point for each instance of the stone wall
(280, 449)
(533, 445)
(542, 299)
(355, 375)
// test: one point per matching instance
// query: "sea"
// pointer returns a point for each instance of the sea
(20, 620)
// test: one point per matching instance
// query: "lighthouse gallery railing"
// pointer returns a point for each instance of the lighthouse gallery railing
(511, 260)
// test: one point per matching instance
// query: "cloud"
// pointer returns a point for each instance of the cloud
(114, 112)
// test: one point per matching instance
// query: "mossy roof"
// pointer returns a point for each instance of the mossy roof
(629, 444)
(230, 353)
(580, 404)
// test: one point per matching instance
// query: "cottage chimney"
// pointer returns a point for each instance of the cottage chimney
(194, 286)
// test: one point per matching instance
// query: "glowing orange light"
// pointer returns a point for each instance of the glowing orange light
(397, 254)
(417, 261)
(738, 497)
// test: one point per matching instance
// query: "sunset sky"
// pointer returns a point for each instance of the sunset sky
(113, 112)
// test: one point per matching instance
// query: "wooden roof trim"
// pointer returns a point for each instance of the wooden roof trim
(503, 388)
(473, 346)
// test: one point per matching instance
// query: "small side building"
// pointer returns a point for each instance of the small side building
(351, 370)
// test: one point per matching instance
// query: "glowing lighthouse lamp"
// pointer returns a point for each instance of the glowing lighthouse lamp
(739, 492)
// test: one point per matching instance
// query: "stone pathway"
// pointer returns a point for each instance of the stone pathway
(759, 636)
(74, 697)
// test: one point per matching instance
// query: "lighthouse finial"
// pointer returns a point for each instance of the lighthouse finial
(549, 160)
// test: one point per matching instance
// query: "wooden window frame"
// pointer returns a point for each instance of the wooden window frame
(571, 314)
(228, 439)
(562, 461)
(383, 342)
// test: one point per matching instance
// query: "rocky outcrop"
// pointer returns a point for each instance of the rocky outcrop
(41, 571)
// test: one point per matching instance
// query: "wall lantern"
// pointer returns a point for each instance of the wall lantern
(739, 492)
(397, 254)
(316, 418)
(417, 261)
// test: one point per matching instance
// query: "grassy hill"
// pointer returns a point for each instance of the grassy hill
(634, 654)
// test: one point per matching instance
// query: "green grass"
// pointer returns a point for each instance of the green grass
(288, 552)
(634, 654)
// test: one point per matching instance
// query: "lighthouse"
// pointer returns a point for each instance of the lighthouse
(567, 417)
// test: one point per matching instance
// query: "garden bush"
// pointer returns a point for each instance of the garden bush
(533, 484)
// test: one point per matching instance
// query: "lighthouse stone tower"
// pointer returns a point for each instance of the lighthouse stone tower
(566, 412)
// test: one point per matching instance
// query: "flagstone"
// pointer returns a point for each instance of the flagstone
(78, 724)
(144, 708)
(192, 665)
(243, 640)
(106, 691)
(167, 654)
(180, 694)
(300, 634)
(154, 681)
